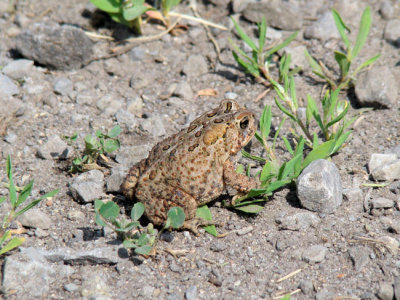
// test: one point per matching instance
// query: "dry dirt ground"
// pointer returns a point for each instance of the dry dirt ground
(159, 88)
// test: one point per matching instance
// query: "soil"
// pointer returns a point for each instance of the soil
(256, 252)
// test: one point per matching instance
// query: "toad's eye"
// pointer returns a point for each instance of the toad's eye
(244, 123)
(228, 107)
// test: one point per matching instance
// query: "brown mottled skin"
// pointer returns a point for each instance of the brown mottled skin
(194, 166)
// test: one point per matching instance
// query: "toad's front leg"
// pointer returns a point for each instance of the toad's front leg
(239, 182)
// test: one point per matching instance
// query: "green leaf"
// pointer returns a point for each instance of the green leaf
(341, 27)
(362, 35)
(332, 101)
(265, 121)
(137, 211)
(273, 186)
(2, 199)
(143, 239)
(167, 5)
(99, 220)
(176, 217)
(109, 210)
(262, 29)
(111, 145)
(250, 209)
(244, 36)
(287, 145)
(5, 237)
(11, 188)
(286, 297)
(249, 68)
(205, 213)
(315, 141)
(343, 63)
(314, 111)
(320, 152)
(316, 68)
(90, 142)
(340, 116)
(26, 191)
(288, 167)
(36, 202)
(15, 242)
(366, 63)
(143, 250)
(253, 157)
(239, 169)
(129, 244)
(109, 6)
(340, 141)
(114, 132)
(282, 45)
(256, 192)
(284, 110)
(293, 96)
(97, 204)
(128, 227)
(133, 12)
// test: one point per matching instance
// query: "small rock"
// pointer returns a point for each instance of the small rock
(35, 218)
(167, 236)
(279, 14)
(116, 178)
(19, 68)
(386, 9)
(315, 254)
(323, 29)
(138, 82)
(11, 138)
(191, 293)
(71, 287)
(218, 246)
(388, 172)
(381, 203)
(245, 230)
(59, 47)
(174, 267)
(377, 91)
(397, 288)
(63, 86)
(95, 286)
(319, 187)
(84, 98)
(377, 160)
(137, 54)
(75, 215)
(392, 32)
(298, 58)
(40, 233)
(154, 125)
(184, 91)
(390, 243)
(385, 291)
(109, 105)
(126, 119)
(230, 95)
(128, 156)
(394, 187)
(307, 287)
(239, 5)
(55, 147)
(359, 255)
(354, 195)
(299, 221)
(88, 186)
(135, 106)
(195, 66)
(7, 87)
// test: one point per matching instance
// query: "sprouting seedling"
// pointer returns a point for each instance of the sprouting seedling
(346, 58)
(258, 63)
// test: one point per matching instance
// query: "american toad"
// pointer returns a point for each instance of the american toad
(194, 166)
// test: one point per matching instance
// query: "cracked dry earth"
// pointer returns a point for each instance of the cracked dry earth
(152, 92)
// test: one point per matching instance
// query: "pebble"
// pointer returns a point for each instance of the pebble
(174, 268)
(279, 14)
(385, 167)
(377, 91)
(385, 291)
(379, 159)
(62, 47)
(306, 286)
(154, 125)
(71, 287)
(314, 254)
(11, 138)
(137, 54)
(167, 236)
(7, 87)
(392, 32)
(35, 218)
(138, 82)
(381, 203)
(397, 288)
(359, 255)
(94, 286)
(218, 246)
(75, 215)
(298, 59)
(183, 90)
(319, 187)
(354, 195)
(55, 148)
(386, 9)
(195, 66)
(231, 95)
(109, 104)
(19, 68)
(116, 178)
(297, 222)
(245, 230)
(191, 293)
(88, 186)
(63, 86)
(135, 106)
(126, 119)
(394, 187)
(323, 29)
(128, 156)
(40, 233)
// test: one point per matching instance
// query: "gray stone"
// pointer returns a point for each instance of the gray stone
(11, 138)
(128, 156)
(63, 86)
(385, 291)
(381, 203)
(94, 286)
(126, 119)
(354, 195)
(394, 150)
(116, 178)
(35, 218)
(378, 159)
(184, 91)
(273, 34)
(230, 95)
(135, 106)
(84, 99)
(7, 87)
(55, 147)
(19, 68)
(88, 186)
(58, 47)
(195, 66)
(239, 5)
(154, 125)
(71, 287)
(279, 14)
(147, 292)
(324, 294)
(377, 91)
(298, 58)
(245, 230)
(218, 246)
(359, 255)
(397, 288)
(298, 222)
(386, 9)
(323, 29)
(314, 254)
(394, 187)
(138, 82)
(319, 187)
(388, 172)
(191, 293)
(137, 54)
(96, 256)
(109, 105)
(307, 287)
(392, 32)
(75, 215)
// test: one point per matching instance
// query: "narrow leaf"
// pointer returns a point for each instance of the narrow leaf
(15, 242)
(343, 62)
(287, 145)
(320, 152)
(339, 117)
(244, 36)
(265, 121)
(366, 63)
(282, 45)
(341, 27)
(11, 189)
(284, 110)
(26, 191)
(250, 209)
(340, 141)
(362, 35)
(316, 68)
(262, 29)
